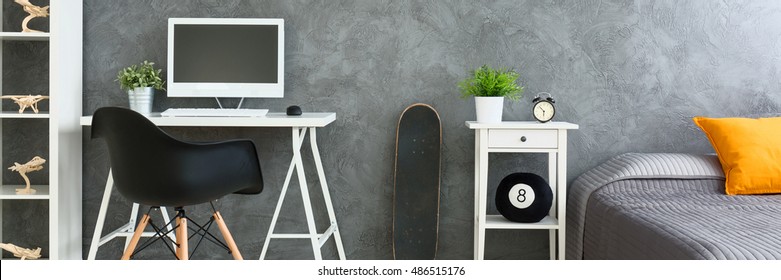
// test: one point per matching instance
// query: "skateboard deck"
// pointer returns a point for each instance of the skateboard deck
(416, 182)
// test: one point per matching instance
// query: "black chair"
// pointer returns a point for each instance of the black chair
(152, 168)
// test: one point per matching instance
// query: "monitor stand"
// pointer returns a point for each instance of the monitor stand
(220, 104)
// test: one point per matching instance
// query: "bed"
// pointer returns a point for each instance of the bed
(668, 206)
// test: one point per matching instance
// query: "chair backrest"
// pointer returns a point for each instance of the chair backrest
(152, 168)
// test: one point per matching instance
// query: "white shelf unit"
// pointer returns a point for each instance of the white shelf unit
(522, 137)
(63, 192)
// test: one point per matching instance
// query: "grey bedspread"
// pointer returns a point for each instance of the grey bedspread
(668, 206)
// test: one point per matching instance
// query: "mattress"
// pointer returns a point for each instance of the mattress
(668, 206)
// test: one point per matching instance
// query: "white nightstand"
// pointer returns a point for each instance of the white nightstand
(522, 137)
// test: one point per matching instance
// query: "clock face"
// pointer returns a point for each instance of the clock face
(544, 111)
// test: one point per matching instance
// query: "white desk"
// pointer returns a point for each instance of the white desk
(300, 125)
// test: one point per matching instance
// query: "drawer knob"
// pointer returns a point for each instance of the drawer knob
(523, 138)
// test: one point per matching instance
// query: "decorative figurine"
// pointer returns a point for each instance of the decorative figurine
(20, 252)
(25, 101)
(34, 11)
(34, 164)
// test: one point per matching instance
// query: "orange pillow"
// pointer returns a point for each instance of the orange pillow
(749, 151)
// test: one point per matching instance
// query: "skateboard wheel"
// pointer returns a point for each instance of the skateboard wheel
(524, 197)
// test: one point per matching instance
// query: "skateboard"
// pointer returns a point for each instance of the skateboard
(416, 182)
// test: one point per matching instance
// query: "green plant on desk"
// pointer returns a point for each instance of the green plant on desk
(140, 76)
(140, 81)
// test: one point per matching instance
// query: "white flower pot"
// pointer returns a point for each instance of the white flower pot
(489, 108)
(141, 100)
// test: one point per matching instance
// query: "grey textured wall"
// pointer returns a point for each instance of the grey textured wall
(631, 73)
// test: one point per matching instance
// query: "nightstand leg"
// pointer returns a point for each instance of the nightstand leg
(552, 182)
(562, 190)
(483, 186)
(477, 197)
(552, 242)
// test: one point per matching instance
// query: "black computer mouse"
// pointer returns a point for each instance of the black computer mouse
(294, 111)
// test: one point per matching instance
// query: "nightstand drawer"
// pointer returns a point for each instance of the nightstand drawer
(518, 138)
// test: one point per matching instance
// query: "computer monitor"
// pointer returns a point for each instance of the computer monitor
(226, 57)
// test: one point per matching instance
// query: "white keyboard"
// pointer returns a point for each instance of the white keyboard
(213, 112)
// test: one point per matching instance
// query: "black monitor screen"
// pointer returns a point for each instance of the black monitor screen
(225, 53)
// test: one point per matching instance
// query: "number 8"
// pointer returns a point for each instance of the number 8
(521, 193)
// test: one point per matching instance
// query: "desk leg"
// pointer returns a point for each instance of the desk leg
(326, 194)
(483, 187)
(310, 219)
(93, 248)
(296, 147)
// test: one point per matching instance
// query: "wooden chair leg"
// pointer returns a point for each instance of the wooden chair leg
(136, 236)
(182, 251)
(226, 234)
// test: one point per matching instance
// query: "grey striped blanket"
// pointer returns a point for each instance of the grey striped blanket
(668, 206)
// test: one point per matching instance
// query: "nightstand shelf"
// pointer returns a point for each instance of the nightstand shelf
(499, 222)
(522, 137)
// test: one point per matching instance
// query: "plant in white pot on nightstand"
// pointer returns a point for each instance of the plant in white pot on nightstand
(140, 81)
(490, 87)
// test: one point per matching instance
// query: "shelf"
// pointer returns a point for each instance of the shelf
(9, 192)
(500, 222)
(12, 258)
(24, 36)
(26, 115)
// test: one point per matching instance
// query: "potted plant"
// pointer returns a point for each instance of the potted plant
(490, 87)
(140, 81)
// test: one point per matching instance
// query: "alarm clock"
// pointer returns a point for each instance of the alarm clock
(543, 109)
